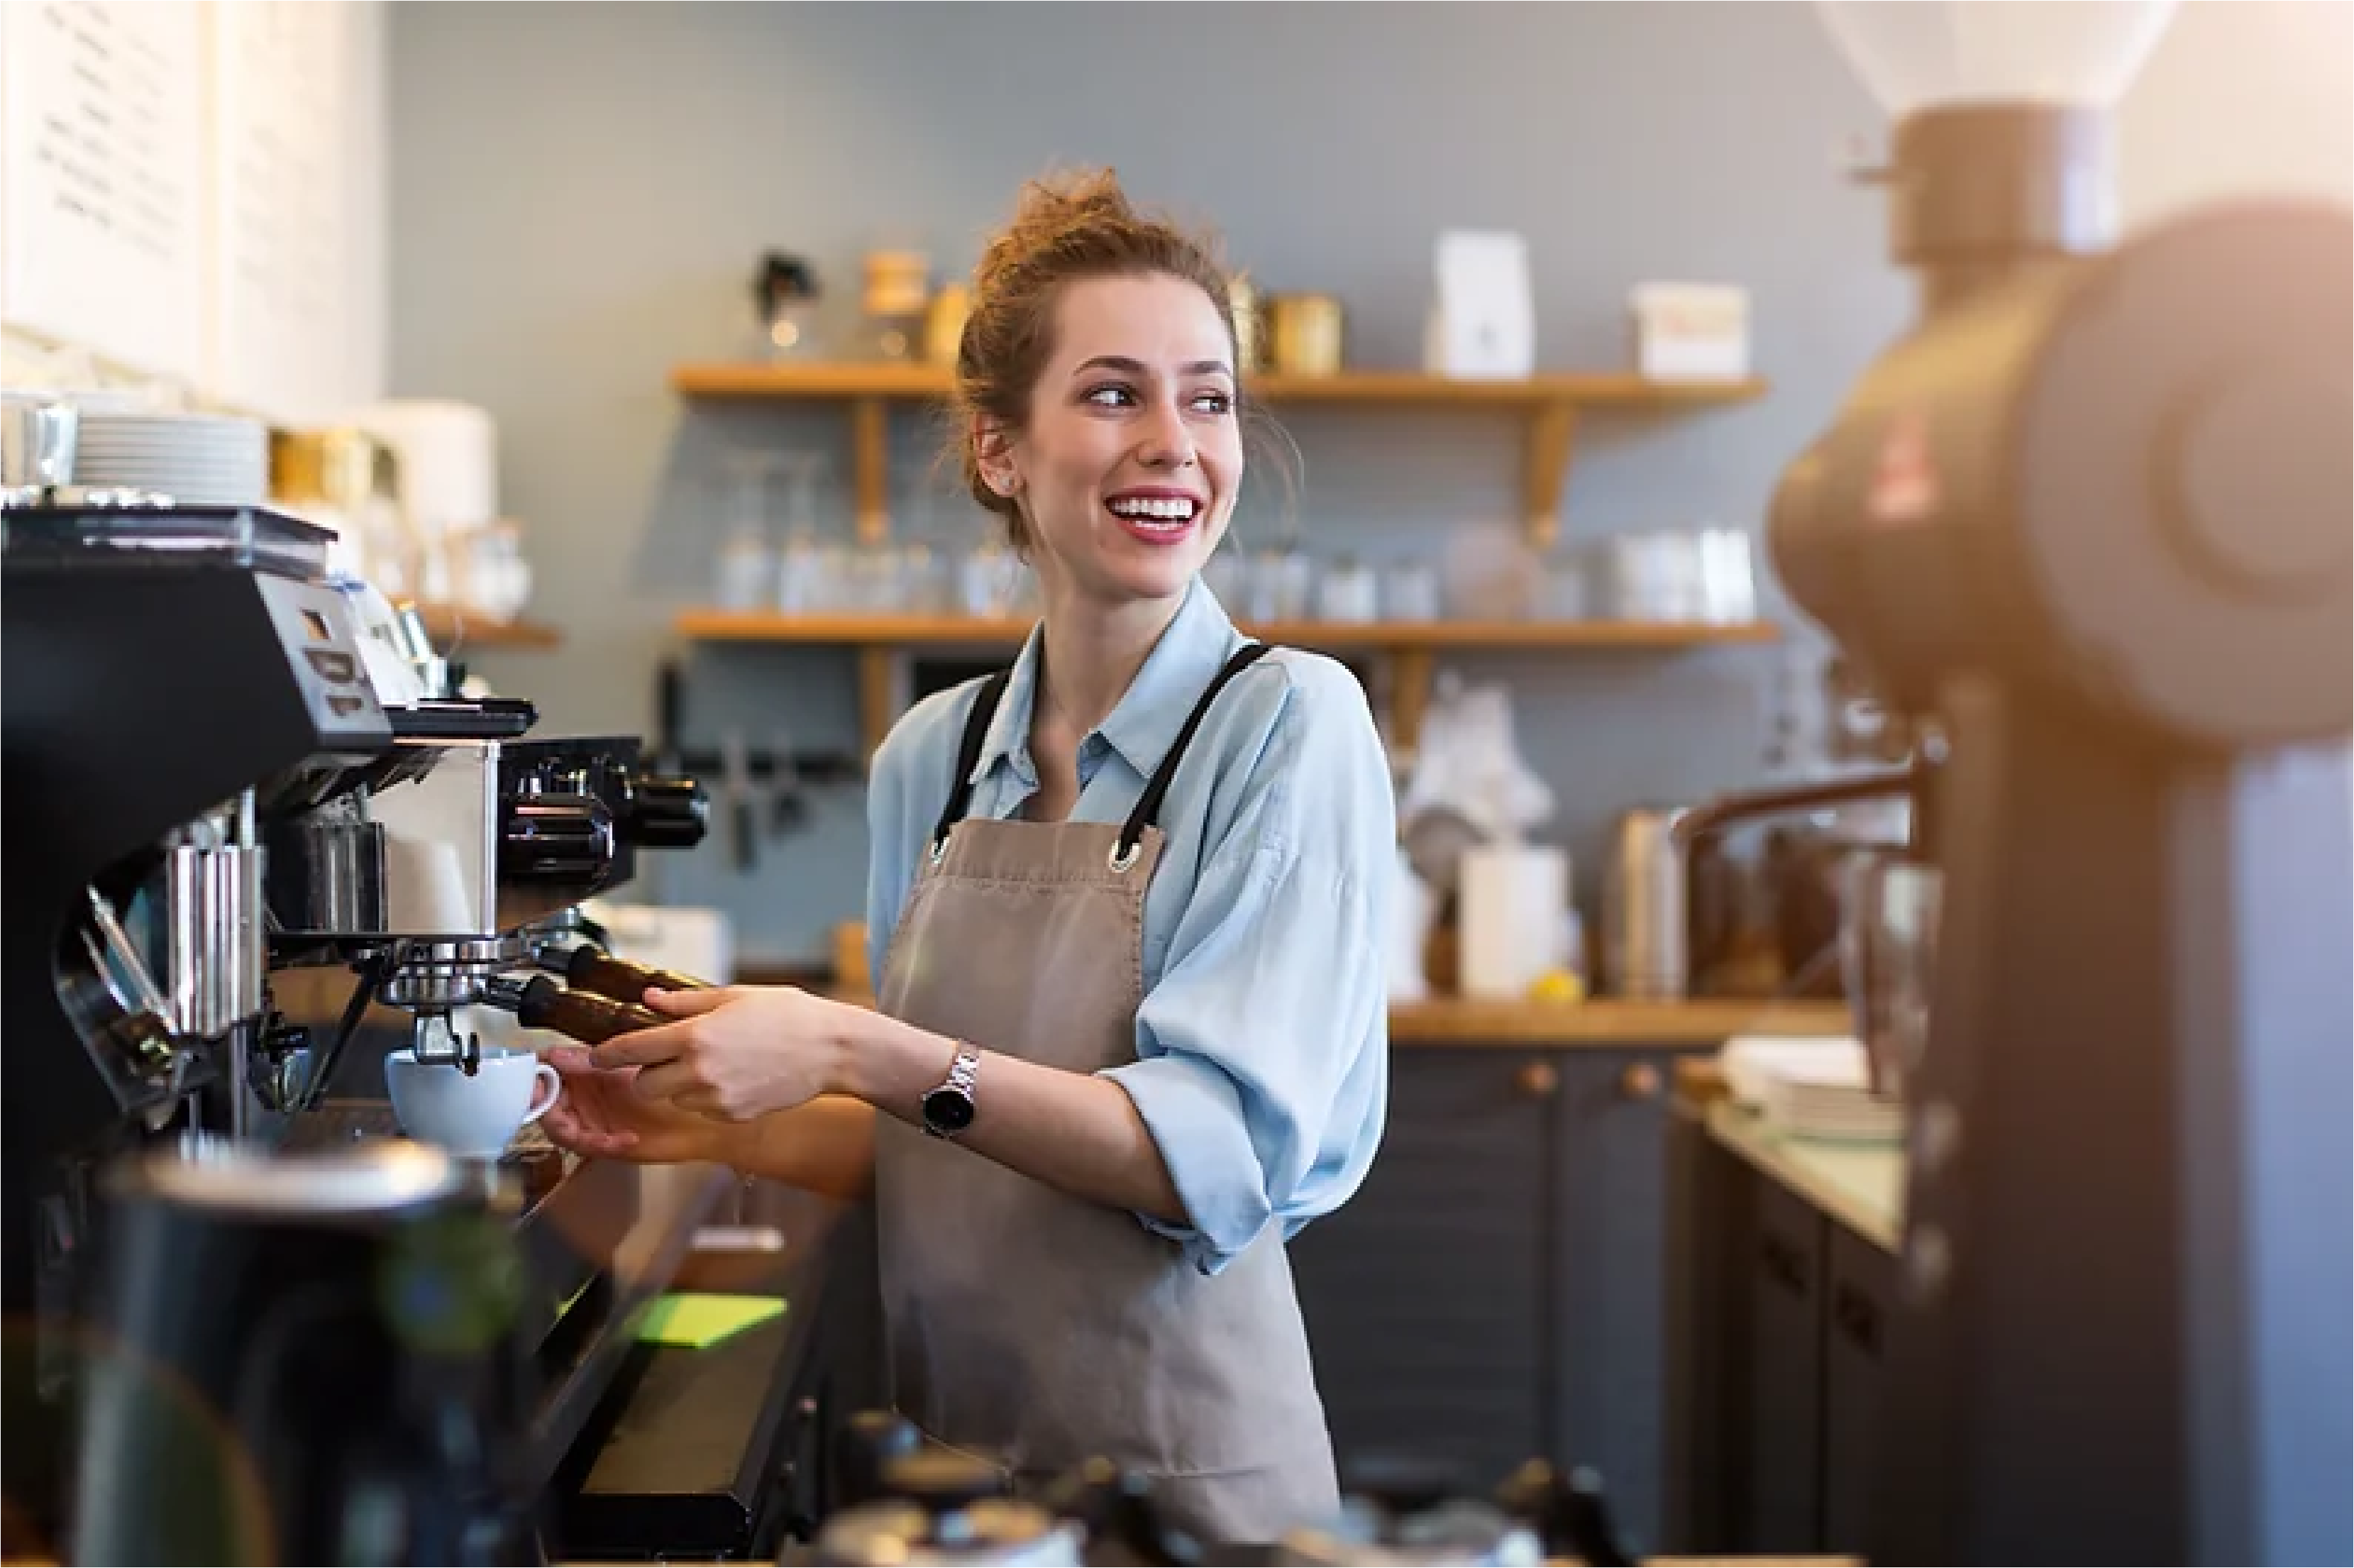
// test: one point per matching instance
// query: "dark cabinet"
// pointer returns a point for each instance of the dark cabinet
(1784, 1360)
(1610, 1263)
(1777, 1323)
(1495, 1291)
(1424, 1296)
(1861, 1279)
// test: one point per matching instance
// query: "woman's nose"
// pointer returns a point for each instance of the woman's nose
(1165, 442)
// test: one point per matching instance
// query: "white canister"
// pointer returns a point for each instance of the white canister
(448, 461)
(1514, 918)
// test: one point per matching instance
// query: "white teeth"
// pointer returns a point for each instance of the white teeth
(1154, 509)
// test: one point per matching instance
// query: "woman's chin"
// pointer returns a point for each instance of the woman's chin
(1160, 577)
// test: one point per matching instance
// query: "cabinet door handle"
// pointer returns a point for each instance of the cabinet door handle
(1537, 1080)
(1857, 1316)
(1783, 1265)
(1639, 1081)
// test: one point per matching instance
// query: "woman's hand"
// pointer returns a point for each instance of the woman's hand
(734, 1052)
(600, 1113)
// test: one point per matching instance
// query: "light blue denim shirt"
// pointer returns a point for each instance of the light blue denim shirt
(1262, 1046)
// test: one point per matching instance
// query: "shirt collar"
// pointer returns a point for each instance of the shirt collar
(1199, 640)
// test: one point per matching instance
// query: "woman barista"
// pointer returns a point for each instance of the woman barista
(1126, 908)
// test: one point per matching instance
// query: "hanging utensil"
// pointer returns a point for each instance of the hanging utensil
(742, 797)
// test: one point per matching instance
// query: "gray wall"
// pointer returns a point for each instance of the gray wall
(579, 193)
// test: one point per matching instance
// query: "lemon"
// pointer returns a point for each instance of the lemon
(1557, 986)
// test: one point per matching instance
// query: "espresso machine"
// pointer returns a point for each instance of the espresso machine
(223, 766)
(2089, 522)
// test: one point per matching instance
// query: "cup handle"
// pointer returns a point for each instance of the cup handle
(543, 1074)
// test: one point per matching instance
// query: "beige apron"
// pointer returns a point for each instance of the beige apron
(1040, 1330)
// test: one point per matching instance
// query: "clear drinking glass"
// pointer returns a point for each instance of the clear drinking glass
(746, 565)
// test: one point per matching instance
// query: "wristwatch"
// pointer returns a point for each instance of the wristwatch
(949, 1109)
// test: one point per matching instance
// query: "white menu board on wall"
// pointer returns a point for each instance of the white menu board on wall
(284, 261)
(196, 191)
(102, 178)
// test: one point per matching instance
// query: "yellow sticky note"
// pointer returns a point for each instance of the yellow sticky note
(697, 1321)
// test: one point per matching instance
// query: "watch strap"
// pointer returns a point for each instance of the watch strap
(963, 1070)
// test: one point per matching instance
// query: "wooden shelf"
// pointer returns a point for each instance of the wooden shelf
(1551, 403)
(455, 630)
(927, 630)
(1410, 645)
(1403, 388)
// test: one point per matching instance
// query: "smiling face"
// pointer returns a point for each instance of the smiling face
(1127, 471)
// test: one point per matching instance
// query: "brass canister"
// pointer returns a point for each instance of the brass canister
(341, 467)
(1307, 334)
(1250, 326)
(944, 323)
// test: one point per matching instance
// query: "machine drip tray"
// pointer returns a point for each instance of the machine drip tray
(536, 1165)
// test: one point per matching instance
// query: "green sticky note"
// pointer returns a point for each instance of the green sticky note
(696, 1322)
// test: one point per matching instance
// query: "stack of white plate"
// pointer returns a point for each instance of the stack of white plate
(1808, 1102)
(1811, 1087)
(194, 459)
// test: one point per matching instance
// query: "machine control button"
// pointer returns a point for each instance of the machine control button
(337, 669)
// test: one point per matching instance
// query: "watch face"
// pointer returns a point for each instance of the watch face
(947, 1110)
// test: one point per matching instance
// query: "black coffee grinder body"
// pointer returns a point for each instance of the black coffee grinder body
(305, 1358)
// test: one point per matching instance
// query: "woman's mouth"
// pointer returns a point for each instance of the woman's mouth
(1157, 519)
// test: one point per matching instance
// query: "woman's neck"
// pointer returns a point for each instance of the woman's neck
(1094, 650)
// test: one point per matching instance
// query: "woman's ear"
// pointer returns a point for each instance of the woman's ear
(992, 448)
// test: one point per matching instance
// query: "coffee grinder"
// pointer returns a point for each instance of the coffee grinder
(2090, 514)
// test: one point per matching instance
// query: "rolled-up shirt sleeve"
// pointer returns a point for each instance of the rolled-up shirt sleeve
(1262, 1068)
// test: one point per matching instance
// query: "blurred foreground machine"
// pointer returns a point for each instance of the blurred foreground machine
(2089, 523)
(235, 1331)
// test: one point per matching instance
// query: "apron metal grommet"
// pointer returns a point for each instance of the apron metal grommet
(1124, 855)
(939, 850)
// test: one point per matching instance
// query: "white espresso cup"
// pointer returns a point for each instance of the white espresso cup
(472, 1117)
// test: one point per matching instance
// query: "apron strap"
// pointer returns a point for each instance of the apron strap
(976, 735)
(1147, 805)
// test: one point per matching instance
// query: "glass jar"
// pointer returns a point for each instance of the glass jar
(1282, 584)
(1410, 592)
(1349, 593)
(898, 289)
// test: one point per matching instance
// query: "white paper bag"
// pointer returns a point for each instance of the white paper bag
(1484, 321)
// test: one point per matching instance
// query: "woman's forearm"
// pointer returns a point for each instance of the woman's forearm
(826, 1146)
(1075, 1131)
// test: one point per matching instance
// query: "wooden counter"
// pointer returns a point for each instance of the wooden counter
(1860, 1185)
(1605, 1021)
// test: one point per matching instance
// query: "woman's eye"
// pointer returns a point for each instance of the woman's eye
(1215, 403)
(1111, 395)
